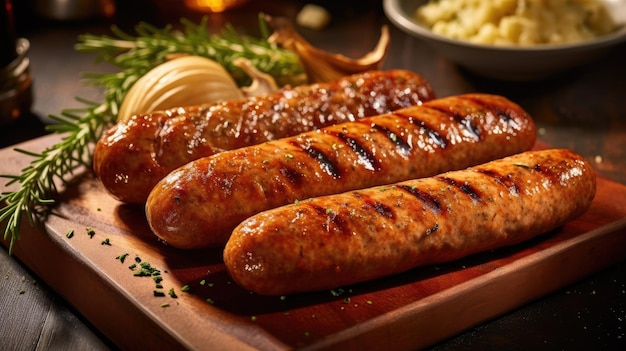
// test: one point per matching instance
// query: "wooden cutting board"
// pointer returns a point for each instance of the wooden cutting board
(408, 311)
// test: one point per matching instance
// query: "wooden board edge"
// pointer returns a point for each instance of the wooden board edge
(126, 324)
(426, 322)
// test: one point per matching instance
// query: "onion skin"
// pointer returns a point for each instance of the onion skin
(322, 66)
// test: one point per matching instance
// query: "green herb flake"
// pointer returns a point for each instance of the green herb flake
(172, 293)
(165, 304)
(91, 232)
(185, 288)
(202, 282)
(158, 293)
(142, 273)
(289, 156)
(69, 234)
(122, 257)
(146, 270)
(210, 300)
(132, 266)
(253, 318)
(106, 241)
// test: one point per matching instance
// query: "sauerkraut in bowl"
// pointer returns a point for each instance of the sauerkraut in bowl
(515, 40)
(517, 22)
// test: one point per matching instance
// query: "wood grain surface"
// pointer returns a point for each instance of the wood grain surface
(433, 302)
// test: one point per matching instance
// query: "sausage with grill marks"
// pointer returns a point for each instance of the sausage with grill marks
(199, 204)
(133, 156)
(338, 240)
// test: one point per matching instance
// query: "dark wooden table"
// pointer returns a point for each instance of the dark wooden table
(583, 110)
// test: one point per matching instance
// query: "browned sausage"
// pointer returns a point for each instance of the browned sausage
(132, 157)
(338, 240)
(199, 204)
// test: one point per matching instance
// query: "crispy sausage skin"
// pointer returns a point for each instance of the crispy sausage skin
(337, 240)
(132, 157)
(200, 203)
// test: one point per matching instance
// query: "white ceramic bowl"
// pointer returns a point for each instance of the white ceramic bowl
(504, 63)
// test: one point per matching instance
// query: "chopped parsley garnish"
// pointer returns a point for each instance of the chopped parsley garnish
(121, 257)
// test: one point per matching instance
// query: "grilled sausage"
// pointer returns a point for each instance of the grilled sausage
(338, 240)
(199, 204)
(132, 157)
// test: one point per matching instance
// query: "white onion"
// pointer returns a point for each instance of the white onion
(183, 81)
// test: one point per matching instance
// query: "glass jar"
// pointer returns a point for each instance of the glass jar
(15, 85)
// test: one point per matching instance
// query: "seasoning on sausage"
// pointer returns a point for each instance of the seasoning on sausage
(133, 156)
(338, 240)
(199, 204)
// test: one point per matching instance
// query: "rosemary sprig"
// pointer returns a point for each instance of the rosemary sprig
(37, 185)
(134, 56)
(152, 46)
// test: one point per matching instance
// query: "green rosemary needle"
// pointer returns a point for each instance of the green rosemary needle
(133, 55)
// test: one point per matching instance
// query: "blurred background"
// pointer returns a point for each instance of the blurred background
(47, 25)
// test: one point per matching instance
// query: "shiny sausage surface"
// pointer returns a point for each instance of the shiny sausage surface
(333, 241)
(199, 204)
(132, 157)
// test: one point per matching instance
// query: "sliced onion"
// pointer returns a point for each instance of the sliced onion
(182, 81)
